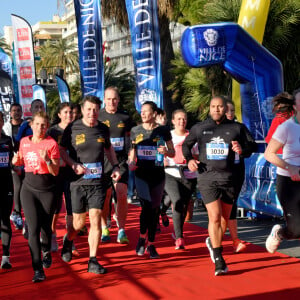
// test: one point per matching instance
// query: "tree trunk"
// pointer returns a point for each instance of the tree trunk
(167, 54)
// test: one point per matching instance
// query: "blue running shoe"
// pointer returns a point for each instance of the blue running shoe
(122, 237)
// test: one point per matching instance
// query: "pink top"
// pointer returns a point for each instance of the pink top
(29, 151)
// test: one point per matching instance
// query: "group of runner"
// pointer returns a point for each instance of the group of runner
(88, 159)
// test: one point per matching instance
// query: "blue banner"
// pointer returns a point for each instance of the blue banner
(63, 89)
(14, 75)
(259, 190)
(6, 88)
(145, 41)
(39, 93)
(5, 63)
(88, 19)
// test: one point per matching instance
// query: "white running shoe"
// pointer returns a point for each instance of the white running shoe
(5, 263)
(273, 240)
(210, 249)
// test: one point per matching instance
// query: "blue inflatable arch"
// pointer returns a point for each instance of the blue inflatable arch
(259, 72)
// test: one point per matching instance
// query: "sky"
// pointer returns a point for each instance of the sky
(32, 11)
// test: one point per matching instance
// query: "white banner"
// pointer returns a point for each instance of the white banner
(24, 61)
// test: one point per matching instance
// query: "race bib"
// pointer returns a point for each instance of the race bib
(93, 170)
(4, 159)
(146, 152)
(216, 151)
(117, 143)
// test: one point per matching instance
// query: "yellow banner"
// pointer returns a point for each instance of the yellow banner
(253, 18)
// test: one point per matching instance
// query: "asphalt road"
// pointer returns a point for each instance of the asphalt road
(253, 231)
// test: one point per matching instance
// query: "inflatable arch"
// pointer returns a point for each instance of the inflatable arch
(247, 61)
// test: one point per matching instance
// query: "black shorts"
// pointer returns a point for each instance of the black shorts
(85, 197)
(213, 190)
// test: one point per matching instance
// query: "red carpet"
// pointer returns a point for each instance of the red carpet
(176, 275)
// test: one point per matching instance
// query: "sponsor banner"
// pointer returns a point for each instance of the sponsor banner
(38, 92)
(5, 63)
(145, 41)
(63, 89)
(6, 94)
(23, 61)
(88, 19)
(259, 189)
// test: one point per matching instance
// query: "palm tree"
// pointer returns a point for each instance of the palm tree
(58, 54)
(166, 11)
(5, 46)
(194, 87)
(122, 79)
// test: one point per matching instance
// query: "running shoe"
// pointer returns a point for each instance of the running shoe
(273, 239)
(116, 219)
(152, 252)
(47, 259)
(210, 249)
(105, 237)
(54, 244)
(179, 244)
(66, 252)
(220, 266)
(39, 275)
(165, 219)
(129, 200)
(5, 263)
(95, 267)
(122, 237)
(25, 230)
(140, 247)
(18, 222)
(238, 246)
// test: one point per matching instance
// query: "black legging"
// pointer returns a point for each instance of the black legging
(6, 203)
(180, 192)
(150, 194)
(38, 208)
(17, 180)
(288, 193)
(148, 219)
